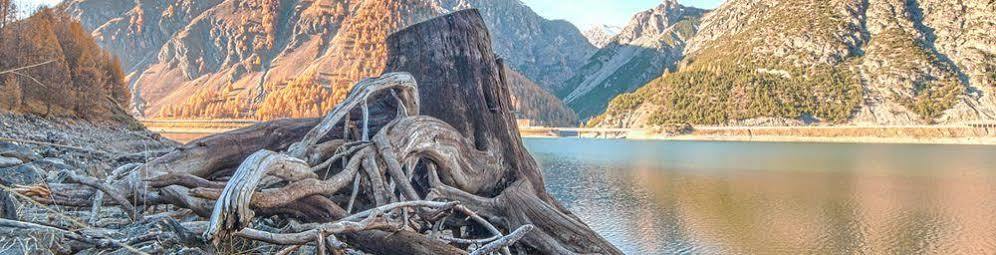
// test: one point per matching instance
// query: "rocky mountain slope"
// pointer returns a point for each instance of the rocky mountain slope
(652, 43)
(890, 62)
(291, 58)
(601, 35)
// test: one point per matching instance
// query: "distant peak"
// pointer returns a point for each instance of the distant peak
(602, 34)
(669, 2)
(668, 6)
(610, 29)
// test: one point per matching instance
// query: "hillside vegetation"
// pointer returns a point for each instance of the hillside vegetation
(71, 74)
(529, 101)
(773, 62)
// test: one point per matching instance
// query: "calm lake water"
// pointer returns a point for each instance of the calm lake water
(777, 198)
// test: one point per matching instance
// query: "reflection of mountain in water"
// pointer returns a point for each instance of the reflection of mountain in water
(777, 198)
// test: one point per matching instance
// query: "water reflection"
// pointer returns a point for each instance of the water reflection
(777, 198)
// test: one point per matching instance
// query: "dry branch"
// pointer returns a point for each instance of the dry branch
(116, 195)
(504, 242)
(26, 67)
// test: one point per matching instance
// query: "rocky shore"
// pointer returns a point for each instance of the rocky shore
(36, 150)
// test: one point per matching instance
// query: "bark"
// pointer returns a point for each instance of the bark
(203, 156)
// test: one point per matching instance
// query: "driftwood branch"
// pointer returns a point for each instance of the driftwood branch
(232, 211)
(360, 94)
(116, 195)
(504, 242)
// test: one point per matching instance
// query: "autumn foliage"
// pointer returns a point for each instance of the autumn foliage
(79, 78)
(301, 97)
(357, 51)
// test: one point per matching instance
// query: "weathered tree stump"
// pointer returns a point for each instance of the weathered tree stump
(463, 84)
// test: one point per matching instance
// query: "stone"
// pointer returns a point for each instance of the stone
(26, 174)
(23, 153)
(9, 162)
(52, 164)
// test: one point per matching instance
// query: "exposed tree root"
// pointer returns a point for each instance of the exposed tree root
(455, 180)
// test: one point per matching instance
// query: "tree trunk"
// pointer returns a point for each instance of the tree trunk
(463, 84)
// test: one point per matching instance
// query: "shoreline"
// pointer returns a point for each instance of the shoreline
(183, 131)
(924, 135)
(980, 141)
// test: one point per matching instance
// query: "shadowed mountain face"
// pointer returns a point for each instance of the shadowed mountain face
(547, 52)
(292, 58)
(759, 62)
(532, 102)
(652, 43)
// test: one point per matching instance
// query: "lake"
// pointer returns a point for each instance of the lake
(655, 197)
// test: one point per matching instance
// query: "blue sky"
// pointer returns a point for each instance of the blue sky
(587, 13)
(583, 13)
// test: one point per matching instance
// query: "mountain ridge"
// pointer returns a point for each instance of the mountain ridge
(248, 58)
(771, 62)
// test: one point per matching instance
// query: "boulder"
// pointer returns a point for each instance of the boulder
(25, 174)
(23, 153)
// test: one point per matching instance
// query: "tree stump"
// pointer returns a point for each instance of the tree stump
(463, 84)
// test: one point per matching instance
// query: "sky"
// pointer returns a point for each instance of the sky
(583, 13)
(29, 6)
(588, 13)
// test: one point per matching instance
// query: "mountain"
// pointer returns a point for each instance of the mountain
(546, 51)
(777, 62)
(269, 59)
(601, 35)
(651, 43)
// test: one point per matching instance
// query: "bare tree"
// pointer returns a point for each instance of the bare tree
(8, 12)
